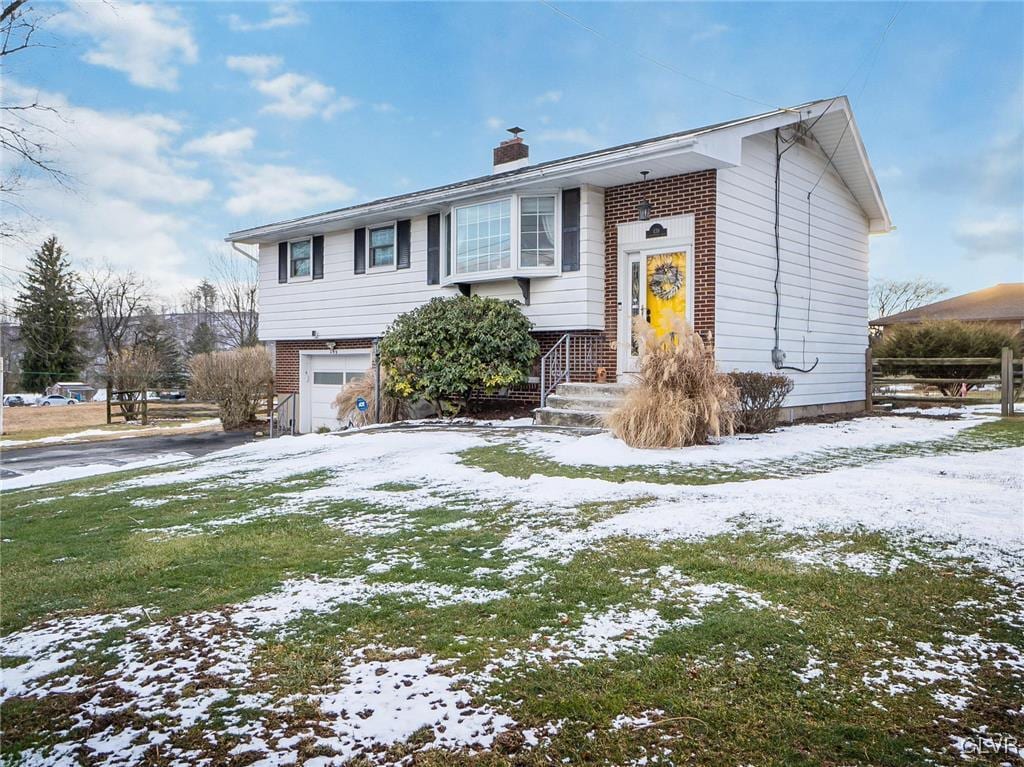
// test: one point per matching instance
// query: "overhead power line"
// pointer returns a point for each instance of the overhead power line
(658, 62)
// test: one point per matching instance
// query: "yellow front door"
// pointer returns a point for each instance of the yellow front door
(666, 290)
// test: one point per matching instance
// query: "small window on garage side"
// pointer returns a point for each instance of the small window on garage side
(300, 259)
(382, 246)
(328, 378)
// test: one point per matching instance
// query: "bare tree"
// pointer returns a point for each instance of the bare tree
(114, 301)
(24, 134)
(237, 284)
(894, 296)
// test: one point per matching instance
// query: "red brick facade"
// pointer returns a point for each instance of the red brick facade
(286, 358)
(691, 193)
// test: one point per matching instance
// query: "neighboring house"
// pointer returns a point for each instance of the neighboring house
(74, 389)
(1001, 305)
(771, 267)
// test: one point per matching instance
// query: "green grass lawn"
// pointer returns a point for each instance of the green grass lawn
(737, 649)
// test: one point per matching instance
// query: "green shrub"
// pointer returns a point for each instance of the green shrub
(450, 348)
(761, 395)
(948, 338)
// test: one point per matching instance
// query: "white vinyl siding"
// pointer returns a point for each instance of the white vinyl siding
(348, 305)
(835, 282)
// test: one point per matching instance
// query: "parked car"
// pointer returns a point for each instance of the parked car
(14, 400)
(55, 399)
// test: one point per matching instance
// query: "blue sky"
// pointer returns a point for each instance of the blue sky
(182, 122)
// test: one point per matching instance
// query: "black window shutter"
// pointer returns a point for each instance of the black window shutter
(360, 251)
(448, 244)
(318, 257)
(404, 245)
(434, 249)
(282, 262)
(570, 230)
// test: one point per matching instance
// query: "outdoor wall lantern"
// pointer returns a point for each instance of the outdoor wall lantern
(644, 208)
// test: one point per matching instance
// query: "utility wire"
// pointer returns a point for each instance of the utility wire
(658, 62)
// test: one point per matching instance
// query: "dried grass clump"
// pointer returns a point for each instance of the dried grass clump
(238, 381)
(391, 408)
(680, 398)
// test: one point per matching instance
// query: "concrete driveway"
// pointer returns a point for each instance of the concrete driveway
(25, 460)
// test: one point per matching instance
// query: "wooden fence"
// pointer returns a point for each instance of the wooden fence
(1009, 380)
(136, 406)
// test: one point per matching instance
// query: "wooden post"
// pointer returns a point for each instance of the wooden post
(145, 408)
(1006, 382)
(869, 380)
(110, 393)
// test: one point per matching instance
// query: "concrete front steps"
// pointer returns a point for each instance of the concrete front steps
(580, 405)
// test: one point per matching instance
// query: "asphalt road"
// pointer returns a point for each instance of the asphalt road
(24, 460)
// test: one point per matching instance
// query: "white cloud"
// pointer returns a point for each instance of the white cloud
(281, 15)
(146, 41)
(131, 199)
(290, 94)
(580, 136)
(1001, 234)
(255, 66)
(383, 106)
(279, 189)
(297, 96)
(222, 144)
(494, 123)
(710, 32)
(549, 97)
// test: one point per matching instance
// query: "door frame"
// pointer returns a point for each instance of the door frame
(634, 243)
(306, 358)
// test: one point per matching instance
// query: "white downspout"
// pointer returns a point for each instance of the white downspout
(250, 256)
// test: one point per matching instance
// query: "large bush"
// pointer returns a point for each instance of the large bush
(680, 398)
(239, 381)
(450, 348)
(760, 397)
(945, 339)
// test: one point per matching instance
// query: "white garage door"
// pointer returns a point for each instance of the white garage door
(327, 374)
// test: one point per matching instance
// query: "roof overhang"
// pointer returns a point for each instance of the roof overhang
(714, 147)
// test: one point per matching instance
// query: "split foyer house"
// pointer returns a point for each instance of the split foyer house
(756, 229)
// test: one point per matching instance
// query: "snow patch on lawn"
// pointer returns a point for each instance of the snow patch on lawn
(53, 646)
(64, 473)
(956, 504)
(604, 449)
(948, 671)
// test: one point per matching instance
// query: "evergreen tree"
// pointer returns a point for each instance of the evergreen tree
(154, 334)
(48, 311)
(203, 341)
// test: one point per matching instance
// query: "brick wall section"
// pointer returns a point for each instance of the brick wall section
(673, 196)
(286, 358)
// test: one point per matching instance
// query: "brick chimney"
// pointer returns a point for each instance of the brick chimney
(511, 153)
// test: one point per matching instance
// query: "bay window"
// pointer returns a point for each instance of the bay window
(483, 237)
(537, 231)
(507, 235)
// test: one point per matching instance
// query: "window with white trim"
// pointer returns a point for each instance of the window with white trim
(483, 237)
(300, 259)
(382, 246)
(537, 231)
